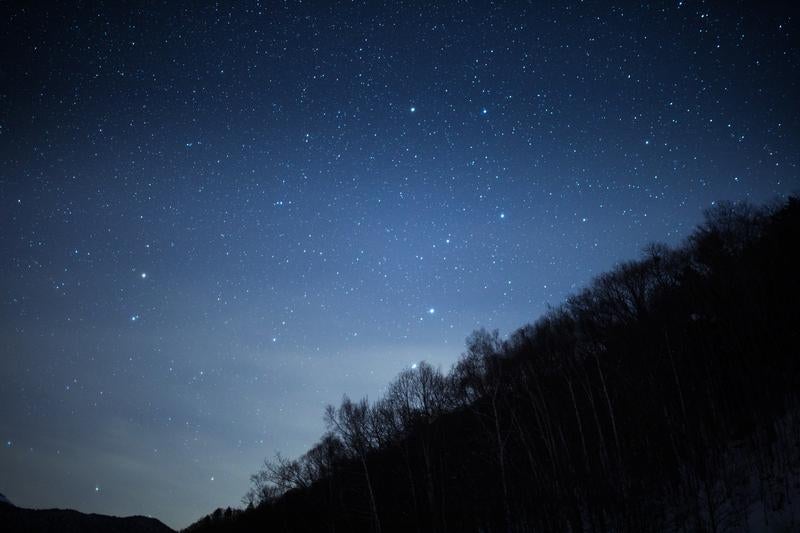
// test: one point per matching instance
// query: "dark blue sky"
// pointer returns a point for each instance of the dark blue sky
(216, 220)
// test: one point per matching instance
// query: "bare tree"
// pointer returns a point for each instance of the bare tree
(351, 423)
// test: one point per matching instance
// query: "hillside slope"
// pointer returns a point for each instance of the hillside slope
(663, 397)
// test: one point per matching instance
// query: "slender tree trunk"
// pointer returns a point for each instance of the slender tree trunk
(371, 496)
(603, 445)
(675, 376)
(502, 460)
(426, 455)
(580, 424)
(610, 410)
(528, 448)
(404, 451)
(543, 421)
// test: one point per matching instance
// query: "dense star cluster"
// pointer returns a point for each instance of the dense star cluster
(214, 220)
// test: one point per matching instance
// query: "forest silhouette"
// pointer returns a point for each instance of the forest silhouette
(663, 396)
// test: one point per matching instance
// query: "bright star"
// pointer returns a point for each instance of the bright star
(431, 311)
(414, 366)
(144, 275)
(413, 109)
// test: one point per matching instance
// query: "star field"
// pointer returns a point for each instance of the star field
(217, 219)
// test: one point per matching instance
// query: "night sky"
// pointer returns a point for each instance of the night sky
(216, 220)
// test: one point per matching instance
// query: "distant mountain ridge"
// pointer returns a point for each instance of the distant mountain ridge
(17, 520)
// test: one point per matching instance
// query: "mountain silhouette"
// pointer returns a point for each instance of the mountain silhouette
(18, 520)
